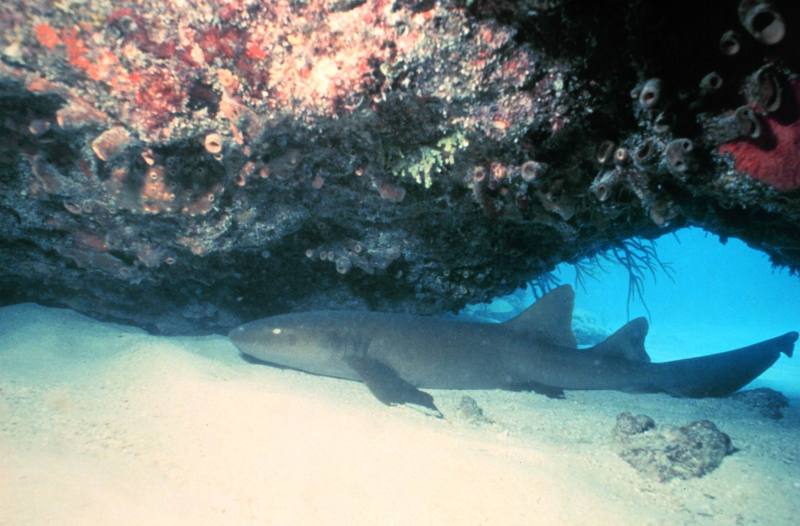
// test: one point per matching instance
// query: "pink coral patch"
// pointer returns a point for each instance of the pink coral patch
(778, 166)
(158, 98)
(46, 35)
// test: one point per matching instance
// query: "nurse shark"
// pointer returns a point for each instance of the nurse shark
(396, 355)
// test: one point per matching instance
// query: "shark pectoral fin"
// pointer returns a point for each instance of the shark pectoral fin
(546, 390)
(627, 342)
(549, 320)
(387, 386)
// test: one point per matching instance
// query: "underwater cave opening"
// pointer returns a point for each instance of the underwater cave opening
(714, 297)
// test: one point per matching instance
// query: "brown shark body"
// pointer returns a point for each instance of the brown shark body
(397, 354)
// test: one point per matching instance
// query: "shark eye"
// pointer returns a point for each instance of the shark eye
(277, 330)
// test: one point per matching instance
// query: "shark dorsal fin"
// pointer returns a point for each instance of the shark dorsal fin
(549, 319)
(627, 342)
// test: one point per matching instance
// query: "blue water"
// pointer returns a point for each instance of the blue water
(720, 297)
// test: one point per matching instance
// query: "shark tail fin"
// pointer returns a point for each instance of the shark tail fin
(723, 373)
(790, 338)
(549, 319)
(627, 342)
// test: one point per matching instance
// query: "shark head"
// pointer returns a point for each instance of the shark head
(298, 341)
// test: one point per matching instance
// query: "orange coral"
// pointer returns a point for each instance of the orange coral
(308, 59)
(77, 50)
(46, 35)
(159, 96)
(255, 52)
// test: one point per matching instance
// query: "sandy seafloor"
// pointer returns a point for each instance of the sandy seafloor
(104, 424)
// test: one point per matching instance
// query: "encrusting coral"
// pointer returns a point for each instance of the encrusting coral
(253, 157)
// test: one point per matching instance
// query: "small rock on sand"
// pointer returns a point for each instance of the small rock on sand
(667, 452)
(469, 411)
(768, 402)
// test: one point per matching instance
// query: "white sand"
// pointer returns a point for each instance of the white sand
(102, 424)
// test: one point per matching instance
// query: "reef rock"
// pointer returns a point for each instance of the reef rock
(187, 166)
(667, 452)
(628, 425)
(768, 402)
(469, 411)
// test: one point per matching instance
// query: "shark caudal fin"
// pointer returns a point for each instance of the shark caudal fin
(627, 342)
(549, 319)
(723, 373)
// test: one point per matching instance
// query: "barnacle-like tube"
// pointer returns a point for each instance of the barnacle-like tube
(740, 124)
(621, 156)
(605, 153)
(646, 153)
(343, 264)
(762, 21)
(763, 89)
(604, 185)
(662, 122)
(730, 43)
(212, 142)
(650, 94)
(676, 156)
(111, 142)
(747, 123)
(531, 170)
(711, 83)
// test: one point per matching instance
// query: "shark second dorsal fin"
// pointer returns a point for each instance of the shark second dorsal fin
(627, 342)
(548, 320)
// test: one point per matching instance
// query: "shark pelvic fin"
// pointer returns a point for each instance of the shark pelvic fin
(549, 320)
(387, 386)
(627, 342)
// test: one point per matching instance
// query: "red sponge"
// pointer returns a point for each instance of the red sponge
(779, 164)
